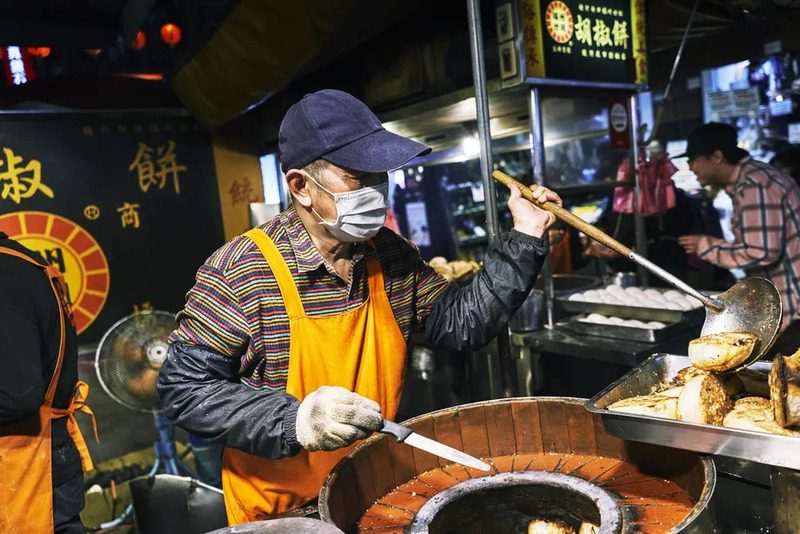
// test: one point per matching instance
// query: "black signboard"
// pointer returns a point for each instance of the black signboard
(127, 207)
(587, 41)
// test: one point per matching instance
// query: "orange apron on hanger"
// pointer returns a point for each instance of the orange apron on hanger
(26, 478)
(362, 350)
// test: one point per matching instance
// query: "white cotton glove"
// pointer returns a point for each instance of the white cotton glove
(333, 417)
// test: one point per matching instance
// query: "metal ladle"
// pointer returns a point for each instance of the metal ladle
(752, 305)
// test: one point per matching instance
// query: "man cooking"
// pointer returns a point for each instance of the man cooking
(766, 220)
(292, 344)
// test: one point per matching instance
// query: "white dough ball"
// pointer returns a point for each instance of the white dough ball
(693, 302)
(616, 320)
(673, 294)
(655, 325)
(615, 290)
(596, 318)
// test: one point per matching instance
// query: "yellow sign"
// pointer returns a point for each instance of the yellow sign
(168, 167)
(558, 19)
(129, 214)
(585, 40)
(639, 40)
(21, 182)
(70, 248)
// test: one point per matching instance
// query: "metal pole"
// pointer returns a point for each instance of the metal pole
(660, 110)
(482, 112)
(508, 367)
(537, 160)
(638, 220)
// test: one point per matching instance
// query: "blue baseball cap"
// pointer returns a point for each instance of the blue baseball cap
(339, 128)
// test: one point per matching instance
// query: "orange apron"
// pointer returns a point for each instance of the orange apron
(26, 484)
(362, 350)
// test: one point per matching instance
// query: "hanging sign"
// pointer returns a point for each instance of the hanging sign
(17, 65)
(794, 133)
(619, 125)
(588, 40)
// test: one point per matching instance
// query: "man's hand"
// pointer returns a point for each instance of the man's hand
(689, 243)
(528, 218)
(333, 417)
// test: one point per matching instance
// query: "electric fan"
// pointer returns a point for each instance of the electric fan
(127, 362)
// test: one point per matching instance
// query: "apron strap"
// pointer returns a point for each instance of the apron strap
(78, 402)
(376, 284)
(58, 285)
(291, 297)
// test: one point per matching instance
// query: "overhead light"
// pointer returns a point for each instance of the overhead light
(470, 146)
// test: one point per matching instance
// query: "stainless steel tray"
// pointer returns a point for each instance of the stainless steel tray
(761, 447)
(646, 335)
(695, 315)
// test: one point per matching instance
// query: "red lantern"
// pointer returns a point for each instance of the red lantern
(171, 34)
(41, 51)
(139, 41)
(93, 51)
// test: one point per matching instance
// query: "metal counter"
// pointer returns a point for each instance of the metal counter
(560, 340)
(557, 361)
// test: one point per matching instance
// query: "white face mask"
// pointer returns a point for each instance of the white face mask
(360, 214)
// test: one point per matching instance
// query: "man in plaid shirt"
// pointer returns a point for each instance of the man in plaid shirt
(766, 220)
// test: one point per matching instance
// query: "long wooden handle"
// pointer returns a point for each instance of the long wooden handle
(566, 216)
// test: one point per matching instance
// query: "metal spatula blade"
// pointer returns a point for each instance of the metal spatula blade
(753, 306)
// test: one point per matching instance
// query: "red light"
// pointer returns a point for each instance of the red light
(41, 51)
(139, 41)
(93, 51)
(171, 34)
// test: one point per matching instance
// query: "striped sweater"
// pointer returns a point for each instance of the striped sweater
(236, 309)
(766, 228)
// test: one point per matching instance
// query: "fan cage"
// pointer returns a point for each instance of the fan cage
(130, 355)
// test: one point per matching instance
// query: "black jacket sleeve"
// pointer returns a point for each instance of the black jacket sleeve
(201, 392)
(471, 315)
(22, 386)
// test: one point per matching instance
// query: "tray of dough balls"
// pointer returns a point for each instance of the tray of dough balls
(644, 304)
(595, 324)
(694, 403)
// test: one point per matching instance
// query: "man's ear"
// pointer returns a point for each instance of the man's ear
(297, 183)
(718, 157)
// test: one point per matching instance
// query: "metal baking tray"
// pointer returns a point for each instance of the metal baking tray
(632, 333)
(695, 315)
(762, 447)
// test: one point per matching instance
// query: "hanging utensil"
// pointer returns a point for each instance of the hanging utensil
(752, 305)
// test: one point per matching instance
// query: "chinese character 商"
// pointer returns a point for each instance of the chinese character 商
(129, 214)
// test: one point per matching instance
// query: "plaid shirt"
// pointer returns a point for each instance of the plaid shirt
(236, 309)
(766, 228)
